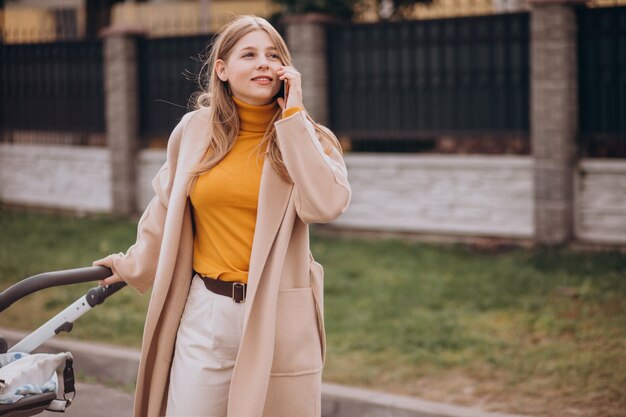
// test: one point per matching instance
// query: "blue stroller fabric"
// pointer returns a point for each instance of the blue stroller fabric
(23, 374)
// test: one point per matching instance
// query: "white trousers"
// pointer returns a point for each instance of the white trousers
(206, 348)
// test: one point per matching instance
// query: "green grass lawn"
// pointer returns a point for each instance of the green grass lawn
(534, 331)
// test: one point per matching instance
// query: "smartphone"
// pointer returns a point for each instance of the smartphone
(281, 92)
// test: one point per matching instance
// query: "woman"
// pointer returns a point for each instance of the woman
(235, 321)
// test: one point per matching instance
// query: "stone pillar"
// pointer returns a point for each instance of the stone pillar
(122, 115)
(306, 38)
(554, 116)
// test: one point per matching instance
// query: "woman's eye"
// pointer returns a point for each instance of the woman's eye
(248, 54)
(275, 56)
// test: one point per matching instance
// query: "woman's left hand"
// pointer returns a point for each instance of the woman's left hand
(293, 87)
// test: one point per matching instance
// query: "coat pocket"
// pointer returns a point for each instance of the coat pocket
(298, 344)
(317, 284)
(294, 396)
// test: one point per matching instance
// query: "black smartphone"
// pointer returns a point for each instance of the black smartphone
(281, 92)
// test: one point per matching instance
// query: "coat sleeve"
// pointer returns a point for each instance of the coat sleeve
(321, 187)
(137, 266)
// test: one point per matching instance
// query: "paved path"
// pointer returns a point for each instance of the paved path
(113, 363)
(97, 401)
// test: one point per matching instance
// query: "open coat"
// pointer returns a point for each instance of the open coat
(278, 369)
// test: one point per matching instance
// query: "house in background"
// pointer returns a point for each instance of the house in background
(49, 20)
(26, 21)
(168, 18)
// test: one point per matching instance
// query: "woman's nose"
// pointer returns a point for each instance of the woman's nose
(262, 63)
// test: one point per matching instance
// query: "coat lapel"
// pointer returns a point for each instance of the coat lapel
(193, 144)
(274, 195)
(257, 341)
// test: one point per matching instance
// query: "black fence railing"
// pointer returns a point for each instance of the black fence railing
(397, 86)
(417, 80)
(168, 76)
(602, 81)
(52, 87)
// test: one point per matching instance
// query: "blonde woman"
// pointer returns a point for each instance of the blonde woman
(235, 324)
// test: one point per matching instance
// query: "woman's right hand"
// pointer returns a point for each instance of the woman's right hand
(108, 262)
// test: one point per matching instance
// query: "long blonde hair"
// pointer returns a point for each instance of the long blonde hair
(216, 95)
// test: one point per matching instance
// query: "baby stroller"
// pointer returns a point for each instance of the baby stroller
(29, 405)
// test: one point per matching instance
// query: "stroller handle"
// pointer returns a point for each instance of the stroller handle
(51, 279)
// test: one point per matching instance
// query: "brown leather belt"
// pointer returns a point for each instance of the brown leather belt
(234, 290)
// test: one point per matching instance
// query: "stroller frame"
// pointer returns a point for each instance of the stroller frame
(63, 321)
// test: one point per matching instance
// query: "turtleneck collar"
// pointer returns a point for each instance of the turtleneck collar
(253, 118)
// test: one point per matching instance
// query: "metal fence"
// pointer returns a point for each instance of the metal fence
(394, 86)
(602, 81)
(168, 76)
(52, 87)
(419, 80)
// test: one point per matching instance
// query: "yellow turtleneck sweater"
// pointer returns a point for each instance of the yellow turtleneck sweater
(225, 199)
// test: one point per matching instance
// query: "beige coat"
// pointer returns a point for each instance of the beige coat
(280, 360)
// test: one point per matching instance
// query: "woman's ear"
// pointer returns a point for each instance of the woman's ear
(220, 69)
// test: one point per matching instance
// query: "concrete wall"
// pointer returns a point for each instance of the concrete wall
(601, 201)
(68, 177)
(56, 176)
(461, 195)
(435, 194)
(457, 195)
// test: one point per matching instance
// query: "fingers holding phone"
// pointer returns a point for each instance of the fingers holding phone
(292, 87)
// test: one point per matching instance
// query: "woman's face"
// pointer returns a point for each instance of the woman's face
(251, 69)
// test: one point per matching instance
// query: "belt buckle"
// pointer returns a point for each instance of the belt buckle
(238, 285)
